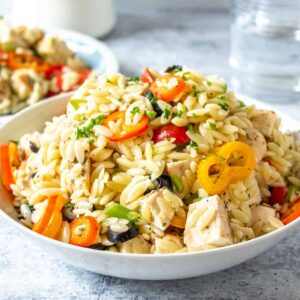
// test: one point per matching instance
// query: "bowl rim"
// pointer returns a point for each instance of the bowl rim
(207, 252)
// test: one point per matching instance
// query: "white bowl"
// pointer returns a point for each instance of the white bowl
(132, 266)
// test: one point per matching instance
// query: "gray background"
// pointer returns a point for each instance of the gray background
(200, 40)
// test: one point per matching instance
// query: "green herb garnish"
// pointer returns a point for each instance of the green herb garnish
(76, 102)
(225, 87)
(134, 79)
(195, 92)
(242, 104)
(193, 144)
(135, 110)
(69, 205)
(85, 131)
(224, 105)
(178, 113)
(149, 95)
(212, 125)
(209, 83)
(190, 128)
(166, 113)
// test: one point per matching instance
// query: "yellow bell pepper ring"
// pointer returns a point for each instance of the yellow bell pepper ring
(214, 174)
(233, 162)
(240, 157)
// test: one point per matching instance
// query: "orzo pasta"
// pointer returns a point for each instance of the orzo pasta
(166, 163)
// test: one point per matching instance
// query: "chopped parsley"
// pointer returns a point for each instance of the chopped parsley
(223, 98)
(134, 79)
(86, 130)
(242, 104)
(135, 110)
(225, 87)
(193, 144)
(195, 92)
(69, 205)
(151, 114)
(208, 83)
(149, 95)
(109, 81)
(186, 76)
(224, 105)
(190, 128)
(166, 113)
(173, 69)
(76, 102)
(212, 125)
(178, 113)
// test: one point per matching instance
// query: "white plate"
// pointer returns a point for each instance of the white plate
(97, 55)
(133, 266)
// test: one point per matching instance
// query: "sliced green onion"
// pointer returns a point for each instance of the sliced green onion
(186, 76)
(76, 102)
(192, 200)
(177, 182)
(292, 192)
(120, 211)
(151, 114)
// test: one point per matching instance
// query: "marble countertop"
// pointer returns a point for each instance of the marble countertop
(200, 40)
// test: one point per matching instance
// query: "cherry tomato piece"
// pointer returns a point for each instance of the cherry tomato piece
(171, 131)
(278, 195)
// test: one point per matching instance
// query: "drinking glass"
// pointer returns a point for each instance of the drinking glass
(265, 49)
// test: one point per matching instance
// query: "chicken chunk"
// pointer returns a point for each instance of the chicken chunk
(256, 141)
(265, 122)
(262, 213)
(159, 207)
(207, 224)
(170, 243)
(137, 245)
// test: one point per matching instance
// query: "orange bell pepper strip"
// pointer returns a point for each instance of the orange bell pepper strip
(147, 76)
(24, 61)
(168, 87)
(126, 131)
(84, 231)
(51, 220)
(40, 226)
(9, 161)
(292, 213)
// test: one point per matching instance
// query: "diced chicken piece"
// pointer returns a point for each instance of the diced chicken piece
(159, 207)
(265, 122)
(207, 224)
(253, 190)
(137, 245)
(178, 167)
(262, 213)
(256, 141)
(170, 243)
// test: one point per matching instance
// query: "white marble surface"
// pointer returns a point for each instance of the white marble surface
(201, 41)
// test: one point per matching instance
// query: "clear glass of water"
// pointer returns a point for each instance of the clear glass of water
(265, 49)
